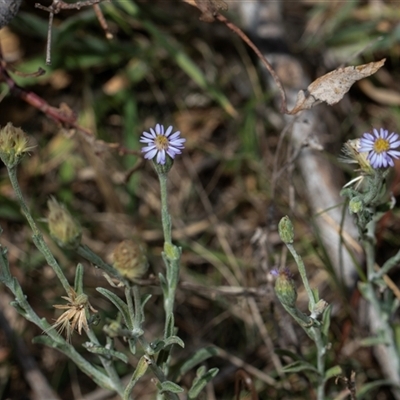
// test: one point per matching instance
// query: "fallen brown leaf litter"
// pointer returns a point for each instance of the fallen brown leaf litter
(332, 86)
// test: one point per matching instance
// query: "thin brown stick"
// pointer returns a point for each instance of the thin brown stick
(62, 115)
(59, 5)
(265, 62)
(102, 21)
(40, 71)
(49, 38)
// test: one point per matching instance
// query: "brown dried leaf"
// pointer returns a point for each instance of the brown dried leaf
(208, 8)
(331, 87)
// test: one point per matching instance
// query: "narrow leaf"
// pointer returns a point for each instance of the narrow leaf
(326, 320)
(174, 340)
(288, 353)
(172, 387)
(200, 383)
(373, 341)
(103, 351)
(120, 304)
(365, 390)
(78, 284)
(299, 366)
(334, 371)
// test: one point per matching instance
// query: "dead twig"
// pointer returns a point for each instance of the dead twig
(264, 61)
(62, 115)
(210, 12)
(59, 5)
(102, 21)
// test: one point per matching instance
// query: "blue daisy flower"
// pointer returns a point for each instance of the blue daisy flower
(380, 147)
(160, 142)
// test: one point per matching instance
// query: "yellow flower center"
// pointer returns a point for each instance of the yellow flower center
(381, 145)
(161, 142)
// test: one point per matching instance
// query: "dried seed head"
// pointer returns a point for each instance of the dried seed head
(64, 229)
(13, 144)
(353, 155)
(74, 317)
(130, 260)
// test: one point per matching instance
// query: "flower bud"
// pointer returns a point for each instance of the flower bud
(355, 205)
(113, 329)
(13, 144)
(285, 287)
(171, 251)
(285, 228)
(130, 260)
(64, 229)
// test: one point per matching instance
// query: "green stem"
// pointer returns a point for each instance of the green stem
(108, 365)
(302, 271)
(138, 317)
(321, 351)
(155, 368)
(165, 217)
(370, 259)
(314, 332)
(140, 370)
(303, 320)
(171, 256)
(54, 339)
(37, 235)
(169, 300)
(135, 313)
(131, 307)
(370, 294)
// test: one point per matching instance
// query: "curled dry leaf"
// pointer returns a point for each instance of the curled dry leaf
(333, 86)
(208, 8)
